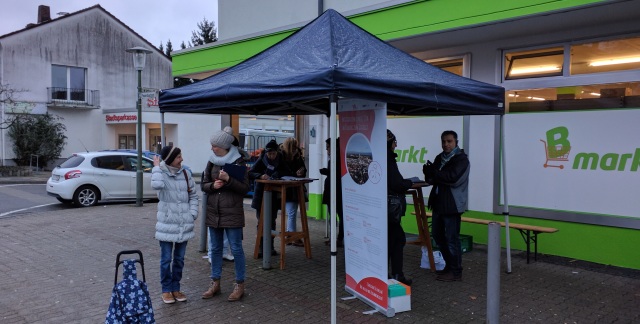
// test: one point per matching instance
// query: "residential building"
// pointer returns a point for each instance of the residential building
(76, 66)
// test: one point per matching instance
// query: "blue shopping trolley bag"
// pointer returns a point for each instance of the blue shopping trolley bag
(130, 302)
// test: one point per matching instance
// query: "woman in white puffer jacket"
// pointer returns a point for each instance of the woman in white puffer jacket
(177, 212)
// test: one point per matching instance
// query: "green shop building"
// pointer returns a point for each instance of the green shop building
(571, 71)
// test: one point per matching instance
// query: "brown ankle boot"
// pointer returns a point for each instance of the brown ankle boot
(214, 289)
(238, 292)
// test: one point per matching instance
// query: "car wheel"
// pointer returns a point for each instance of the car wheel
(65, 201)
(86, 196)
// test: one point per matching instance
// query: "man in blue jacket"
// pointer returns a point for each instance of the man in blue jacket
(449, 175)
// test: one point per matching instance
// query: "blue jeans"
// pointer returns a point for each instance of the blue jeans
(292, 212)
(225, 246)
(235, 242)
(171, 264)
(446, 233)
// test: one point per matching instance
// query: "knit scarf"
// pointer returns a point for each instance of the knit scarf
(447, 157)
(230, 157)
(172, 170)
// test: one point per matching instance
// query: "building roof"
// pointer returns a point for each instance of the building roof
(80, 12)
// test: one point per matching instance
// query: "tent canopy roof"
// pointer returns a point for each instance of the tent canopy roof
(333, 58)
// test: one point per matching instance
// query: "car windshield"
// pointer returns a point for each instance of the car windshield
(72, 162)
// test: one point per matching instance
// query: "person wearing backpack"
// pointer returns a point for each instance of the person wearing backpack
(177, 212)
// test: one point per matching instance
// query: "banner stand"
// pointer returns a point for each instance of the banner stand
(388, 312)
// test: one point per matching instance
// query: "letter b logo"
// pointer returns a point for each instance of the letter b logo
(557, 142)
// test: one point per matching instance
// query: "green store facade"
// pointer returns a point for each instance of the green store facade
(571, 71)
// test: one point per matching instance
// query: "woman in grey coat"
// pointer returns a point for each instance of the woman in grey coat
(177, 212)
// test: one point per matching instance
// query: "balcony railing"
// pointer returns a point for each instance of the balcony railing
(68, 97)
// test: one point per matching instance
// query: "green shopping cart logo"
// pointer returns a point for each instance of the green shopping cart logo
(557, 147)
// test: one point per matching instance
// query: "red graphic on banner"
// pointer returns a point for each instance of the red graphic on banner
(352, 122)
(373, 289)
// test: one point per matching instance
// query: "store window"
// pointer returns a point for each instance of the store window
(68, 83)
(606, 56)
(455, 65)
(127, 142)
(534, 64)
(595, 96)
(597, 78)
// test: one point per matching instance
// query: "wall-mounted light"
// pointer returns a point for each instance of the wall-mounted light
(536, 98)
(534, 70)
(616, 61)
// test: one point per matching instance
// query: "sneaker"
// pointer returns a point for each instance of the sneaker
(167, 298)
(228, 257)
(448, 277)
(179, 296)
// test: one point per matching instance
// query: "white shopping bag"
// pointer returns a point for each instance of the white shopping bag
(437, 258)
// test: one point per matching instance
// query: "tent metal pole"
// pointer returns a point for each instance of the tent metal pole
(334, 174)
(505, 211)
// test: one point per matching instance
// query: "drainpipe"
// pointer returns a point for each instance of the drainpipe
(2, 107)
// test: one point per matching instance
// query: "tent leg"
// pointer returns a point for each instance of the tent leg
(505, 211)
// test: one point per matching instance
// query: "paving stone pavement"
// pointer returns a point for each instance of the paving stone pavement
(59, 266)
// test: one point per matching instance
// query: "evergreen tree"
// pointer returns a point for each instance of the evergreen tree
(182, 45)
(205, 34)
(161, 48)
(169, 48)
(41, 135)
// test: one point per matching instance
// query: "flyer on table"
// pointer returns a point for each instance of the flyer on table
(363, 129)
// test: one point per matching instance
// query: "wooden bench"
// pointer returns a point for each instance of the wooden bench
(526, 231)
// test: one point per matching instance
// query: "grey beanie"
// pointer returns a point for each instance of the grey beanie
(223, 138)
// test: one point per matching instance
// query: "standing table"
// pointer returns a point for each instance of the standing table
(424, 237)
(264, 232)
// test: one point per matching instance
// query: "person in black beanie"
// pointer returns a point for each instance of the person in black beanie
(270, 165)
(397, 187)
(177, 212)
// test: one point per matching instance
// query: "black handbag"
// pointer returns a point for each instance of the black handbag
(396, 207)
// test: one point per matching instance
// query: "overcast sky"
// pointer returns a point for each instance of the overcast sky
(155, 20)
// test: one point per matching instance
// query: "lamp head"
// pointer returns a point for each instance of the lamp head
(139, 56)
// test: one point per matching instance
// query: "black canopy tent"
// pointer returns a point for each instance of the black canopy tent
(331, 58)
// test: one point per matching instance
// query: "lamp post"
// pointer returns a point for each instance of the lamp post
(139, 57)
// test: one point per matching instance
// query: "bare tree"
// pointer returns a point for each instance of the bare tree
(7, 97)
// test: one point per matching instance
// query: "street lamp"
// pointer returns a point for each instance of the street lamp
(139, 57)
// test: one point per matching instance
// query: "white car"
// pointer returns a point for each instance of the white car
(88, 177)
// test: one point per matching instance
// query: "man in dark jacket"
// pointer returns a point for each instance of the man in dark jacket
(449, 175)
(326, 193)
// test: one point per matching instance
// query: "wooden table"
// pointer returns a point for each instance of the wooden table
(424, 237)
(265, 233)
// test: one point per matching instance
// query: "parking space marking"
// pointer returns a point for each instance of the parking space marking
(24, 209)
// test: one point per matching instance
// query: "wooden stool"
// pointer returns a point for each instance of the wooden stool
(285, 237)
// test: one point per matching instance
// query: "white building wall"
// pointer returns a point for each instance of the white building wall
(239, 18)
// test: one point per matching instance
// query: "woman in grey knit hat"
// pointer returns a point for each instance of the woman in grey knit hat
(226, 183)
